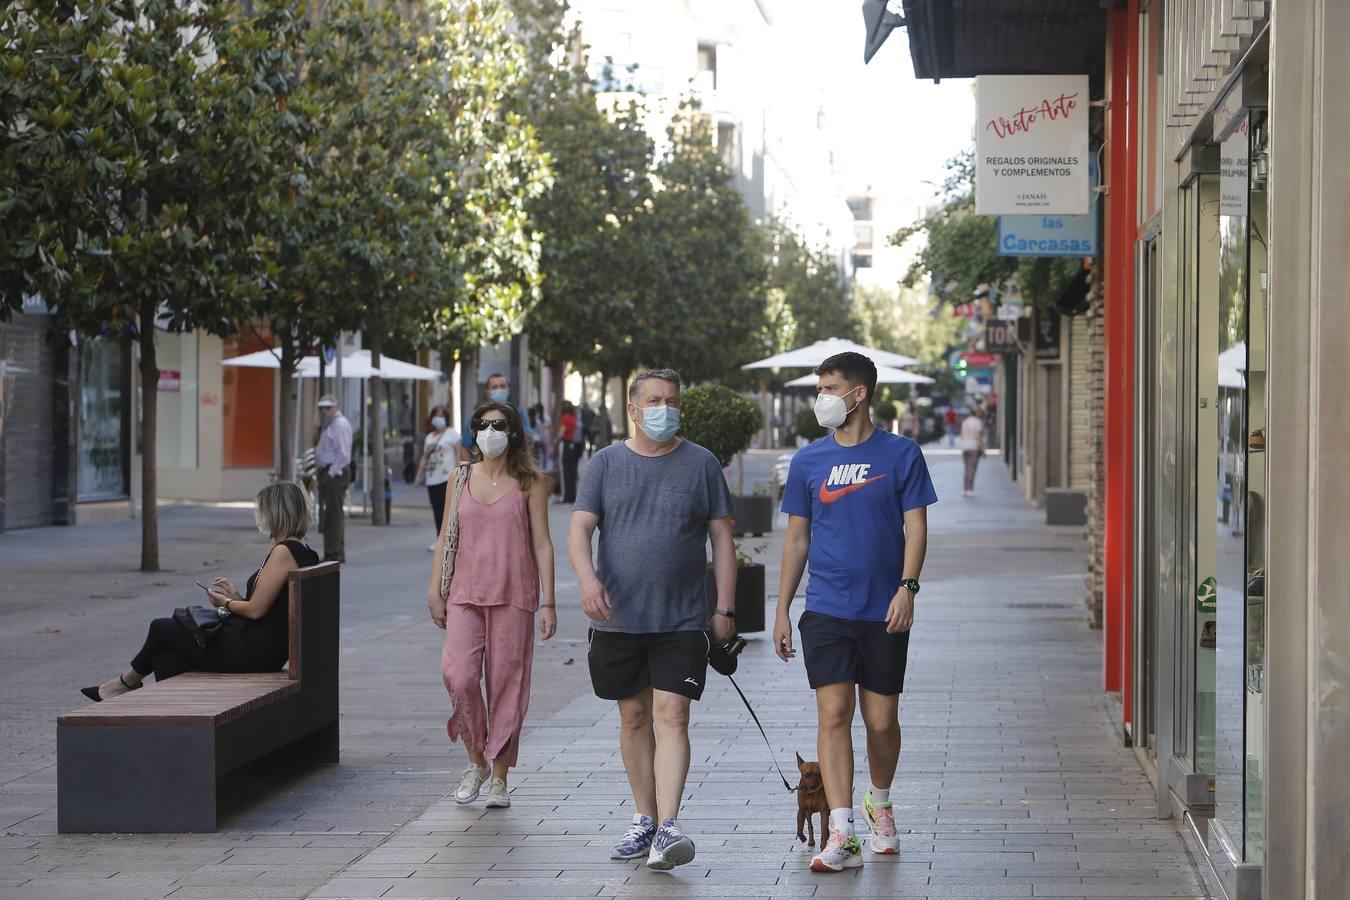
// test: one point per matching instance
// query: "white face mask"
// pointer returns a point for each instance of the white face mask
(831, 411)
(438, 422)
(492, 443)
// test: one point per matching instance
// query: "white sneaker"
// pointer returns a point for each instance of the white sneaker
(498, 797)
(841, 852)
(470, 783)
(881, 823)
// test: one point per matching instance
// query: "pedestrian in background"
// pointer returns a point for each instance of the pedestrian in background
(971, 443)
(569, 450)
(333, 456)
(587, 435)
(255, 637)
(439, 454)
(505, 557)
(949, 425)
(656, 499)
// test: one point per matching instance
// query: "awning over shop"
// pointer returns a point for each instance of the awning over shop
(965, 38)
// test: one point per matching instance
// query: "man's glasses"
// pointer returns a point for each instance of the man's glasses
(494, 424)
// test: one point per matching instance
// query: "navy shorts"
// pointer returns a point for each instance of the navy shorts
(624, 665)
(850, 652)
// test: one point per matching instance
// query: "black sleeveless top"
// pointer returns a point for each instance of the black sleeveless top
(274, 628)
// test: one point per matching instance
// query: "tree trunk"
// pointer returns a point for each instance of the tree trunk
(149, 419)
(287, 412)
(377, 429)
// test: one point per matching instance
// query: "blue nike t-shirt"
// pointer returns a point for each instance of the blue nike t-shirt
(855, 499)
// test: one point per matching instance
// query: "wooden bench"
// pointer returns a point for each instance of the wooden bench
(149, 760)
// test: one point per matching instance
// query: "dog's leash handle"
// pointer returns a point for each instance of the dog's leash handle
(789, 787)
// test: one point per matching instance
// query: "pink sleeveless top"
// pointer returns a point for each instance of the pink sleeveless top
(495, 565)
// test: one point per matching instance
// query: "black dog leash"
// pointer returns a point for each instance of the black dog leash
(789, 787)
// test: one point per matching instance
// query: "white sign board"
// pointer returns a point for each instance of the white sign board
(1233, 173)
(1031, 145)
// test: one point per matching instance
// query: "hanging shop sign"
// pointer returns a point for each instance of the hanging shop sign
(1233, 173)
(1046, 235)
(980, 360)
(1000, 336)
(1031, 147)
(963, 311)
(170, 381)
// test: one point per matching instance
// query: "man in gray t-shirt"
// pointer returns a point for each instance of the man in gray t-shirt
(656, 500)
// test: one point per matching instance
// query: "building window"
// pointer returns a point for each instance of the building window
(726, 145)
(246, 407)
(862, 260)
(707, 65)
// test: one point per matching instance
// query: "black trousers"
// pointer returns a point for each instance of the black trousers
(169, 650)
(331, 491)
(437, 494)
(571, 458)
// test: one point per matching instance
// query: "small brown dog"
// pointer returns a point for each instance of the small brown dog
(811, 800)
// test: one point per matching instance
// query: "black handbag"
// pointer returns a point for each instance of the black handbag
(204, 623)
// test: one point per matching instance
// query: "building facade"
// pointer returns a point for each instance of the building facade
(1218, 507)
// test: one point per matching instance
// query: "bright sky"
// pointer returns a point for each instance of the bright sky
(889, 129)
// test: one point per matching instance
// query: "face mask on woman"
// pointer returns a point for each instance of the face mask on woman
(438, 423)
(492, 443)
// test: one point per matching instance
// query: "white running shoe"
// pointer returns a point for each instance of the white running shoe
(881, 822)
(470, 783)
(841, 852)
(498, 797)
(670, 848)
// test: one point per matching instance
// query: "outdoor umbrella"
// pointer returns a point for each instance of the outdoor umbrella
(815, 354)
(885, 375)
(354, 365)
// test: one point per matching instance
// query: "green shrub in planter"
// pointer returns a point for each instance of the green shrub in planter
(887, 411)
(808, 427)
(720, 419)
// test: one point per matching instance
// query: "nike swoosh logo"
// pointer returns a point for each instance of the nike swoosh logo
(829, 496)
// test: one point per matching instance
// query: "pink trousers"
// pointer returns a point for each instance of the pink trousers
(493, 644)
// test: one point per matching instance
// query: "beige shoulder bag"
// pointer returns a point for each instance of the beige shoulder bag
(451, 543)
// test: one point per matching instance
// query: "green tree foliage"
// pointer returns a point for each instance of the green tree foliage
(812, 287)
(719, 419)
(135, 149)
(906, 320)
(698, 267)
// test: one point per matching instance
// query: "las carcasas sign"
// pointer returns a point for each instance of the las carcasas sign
(1031, 145)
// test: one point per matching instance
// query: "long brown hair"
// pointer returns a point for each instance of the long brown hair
(519, 460)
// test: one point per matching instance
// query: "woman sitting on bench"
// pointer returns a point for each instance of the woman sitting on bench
(256, 635)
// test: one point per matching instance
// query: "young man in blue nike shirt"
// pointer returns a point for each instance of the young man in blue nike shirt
(857, 514)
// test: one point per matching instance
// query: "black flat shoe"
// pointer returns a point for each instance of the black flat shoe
(92, 693)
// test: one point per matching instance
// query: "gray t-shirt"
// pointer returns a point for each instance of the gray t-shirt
(654, 514)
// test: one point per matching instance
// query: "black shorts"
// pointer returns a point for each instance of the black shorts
(845, 651)
(624, 665)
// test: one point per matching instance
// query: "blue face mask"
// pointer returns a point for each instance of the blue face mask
(499, 396)
(660, 422)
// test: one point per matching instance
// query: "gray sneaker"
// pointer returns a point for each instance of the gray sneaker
(637, 840)
(498, 797)
(670, 848)
(470, 783)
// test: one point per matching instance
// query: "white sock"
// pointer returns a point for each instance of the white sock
(880, 795)
(841, 820)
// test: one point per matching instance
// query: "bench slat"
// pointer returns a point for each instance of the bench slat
(193, 698)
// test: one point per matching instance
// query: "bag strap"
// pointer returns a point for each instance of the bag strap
(450, 543)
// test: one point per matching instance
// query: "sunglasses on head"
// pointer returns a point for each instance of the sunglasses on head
(494, 424)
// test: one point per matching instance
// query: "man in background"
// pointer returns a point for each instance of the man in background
(333, 456)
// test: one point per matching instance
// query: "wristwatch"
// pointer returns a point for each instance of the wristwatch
(910, 584)
(724, 612)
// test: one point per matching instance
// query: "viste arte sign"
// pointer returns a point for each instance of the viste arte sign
(1031, 147)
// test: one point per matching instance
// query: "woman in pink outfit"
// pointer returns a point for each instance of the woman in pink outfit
(505, 557)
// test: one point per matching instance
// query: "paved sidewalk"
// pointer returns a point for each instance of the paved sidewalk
(1011, 784)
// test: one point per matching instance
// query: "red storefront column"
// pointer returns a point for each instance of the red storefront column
(1121, 169)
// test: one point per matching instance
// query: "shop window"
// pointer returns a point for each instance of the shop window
(101, 472)
(247, 406)
(176, 426)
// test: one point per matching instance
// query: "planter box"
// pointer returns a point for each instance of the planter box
(753, 515)
(750, 597)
